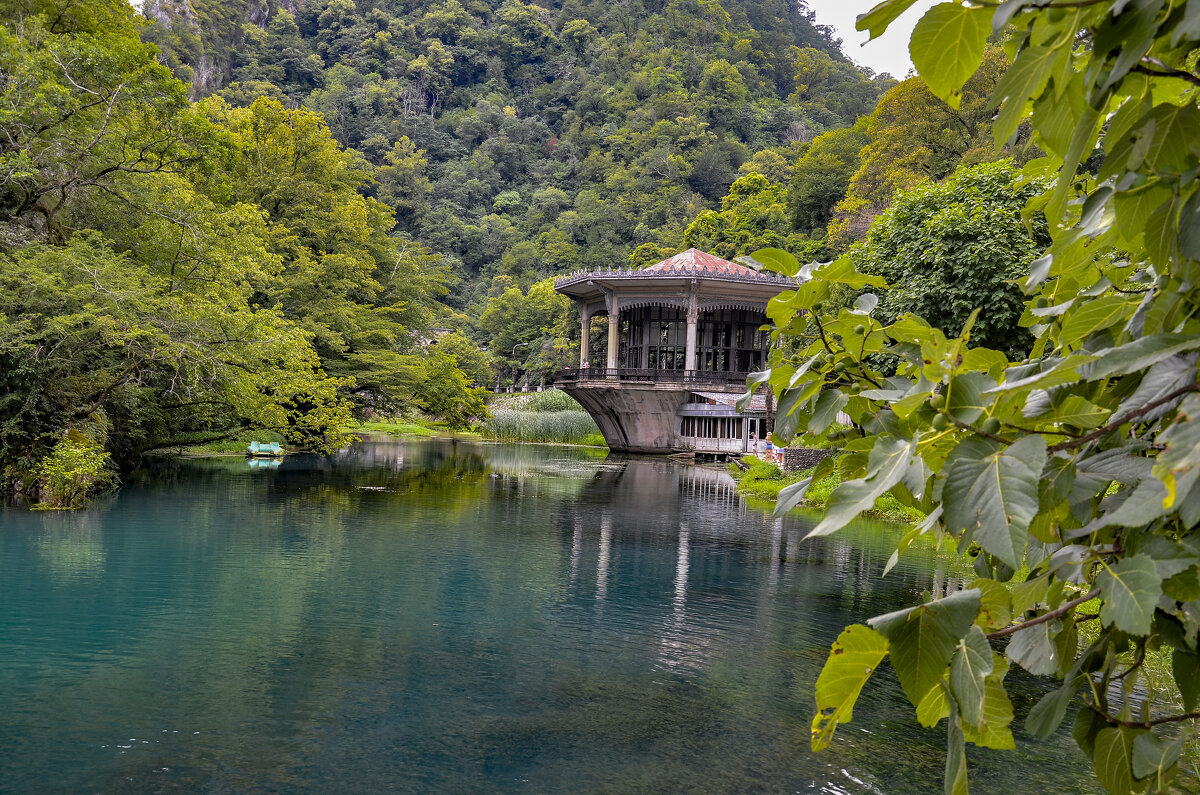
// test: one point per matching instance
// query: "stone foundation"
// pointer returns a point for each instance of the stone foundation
(633, 418)
(798, 458)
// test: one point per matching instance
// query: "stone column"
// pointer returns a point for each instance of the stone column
(692, 318)
(585, 332)
(614, 335)
(645, 360)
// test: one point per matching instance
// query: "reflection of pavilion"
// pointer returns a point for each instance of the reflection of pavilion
(630, 488)
(682, 335)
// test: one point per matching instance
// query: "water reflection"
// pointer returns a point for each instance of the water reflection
(444, 616)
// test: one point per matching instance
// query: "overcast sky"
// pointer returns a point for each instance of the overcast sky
(888, 53)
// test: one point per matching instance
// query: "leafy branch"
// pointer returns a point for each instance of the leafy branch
(1049, 615)
(1124, 418)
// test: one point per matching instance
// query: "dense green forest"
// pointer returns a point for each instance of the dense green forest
(226, 216)
(525, 140)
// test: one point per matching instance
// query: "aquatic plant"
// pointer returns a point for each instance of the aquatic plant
(566, 427)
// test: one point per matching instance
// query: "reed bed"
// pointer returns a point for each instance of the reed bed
(563, 427)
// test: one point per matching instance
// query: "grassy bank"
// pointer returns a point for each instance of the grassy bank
(764, 481)
(234, 445)
(422, 429)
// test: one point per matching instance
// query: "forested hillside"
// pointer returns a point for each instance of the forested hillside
(526, 140)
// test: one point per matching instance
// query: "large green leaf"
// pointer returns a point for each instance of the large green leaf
(1143, 505)
(994, 731)
(964, 401)
(1138, 355)
(773, 259)
(990, 493)
(1163, 379)
(1092, 316)
(1113, 757)
(1079, 412)
(1189, 218)
(934, 706)
(1033, 649)
(881, 15)
(956, 757)
(1178, 466)
(887, 465)
(968, 672)
(1082, 140)
(1174, 128)
(1135, 207)
(1130, 590)
(1185, 665)
(1047, 715)
(853, 658)
(1189, 26)
(1162, 233)
(842, 271)
(1127, 36)
(790, 496)
(1154, 759)
(947, 46)
(1026, 78)
(923, 639)
(825, 412)
(995, 606)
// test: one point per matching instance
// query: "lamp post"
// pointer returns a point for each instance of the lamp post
(514, 356)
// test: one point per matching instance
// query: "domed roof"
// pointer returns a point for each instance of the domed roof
(673, 273)
(695, 261)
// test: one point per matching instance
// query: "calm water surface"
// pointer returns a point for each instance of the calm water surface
(452, 617)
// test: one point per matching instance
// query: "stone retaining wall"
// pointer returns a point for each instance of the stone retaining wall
(798, 458)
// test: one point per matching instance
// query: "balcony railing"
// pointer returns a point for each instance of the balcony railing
(651, 376)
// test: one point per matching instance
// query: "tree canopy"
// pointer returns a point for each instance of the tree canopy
(949, 249)
(176, 272)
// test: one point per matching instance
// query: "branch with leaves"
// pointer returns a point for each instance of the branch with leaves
(1078, 464)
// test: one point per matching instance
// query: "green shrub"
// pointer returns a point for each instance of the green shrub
(74, 470)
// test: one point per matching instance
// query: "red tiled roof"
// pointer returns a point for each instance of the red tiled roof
(696, 261)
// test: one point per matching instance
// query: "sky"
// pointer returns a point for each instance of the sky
(889, 52)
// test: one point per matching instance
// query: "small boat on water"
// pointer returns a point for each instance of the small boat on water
(264, 450)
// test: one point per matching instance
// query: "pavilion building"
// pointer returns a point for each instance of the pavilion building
(682, 335)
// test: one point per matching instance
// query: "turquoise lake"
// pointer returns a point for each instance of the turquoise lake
(437, 616)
